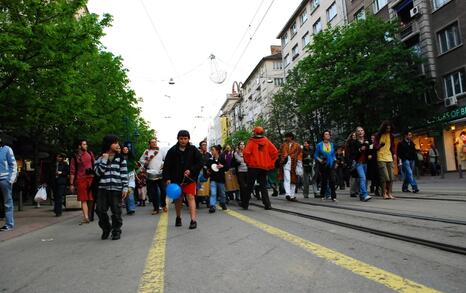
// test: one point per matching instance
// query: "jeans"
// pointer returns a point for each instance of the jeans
(6, 187)
(156, 191)
(59, 193)
(408, 167)
(308, 179)
(217, 188)
(109, 199)
(362, 169)
(130, 203)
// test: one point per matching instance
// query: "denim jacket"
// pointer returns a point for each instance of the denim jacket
(7, 164)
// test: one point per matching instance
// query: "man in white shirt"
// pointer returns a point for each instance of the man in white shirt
(152, 160)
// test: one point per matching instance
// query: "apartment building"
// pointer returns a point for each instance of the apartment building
(250, 100)
(359, 9)
(258, 89)
(308, 19)
(435, 30)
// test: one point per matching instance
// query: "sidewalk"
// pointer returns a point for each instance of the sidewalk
(450, 185)
(32, 219)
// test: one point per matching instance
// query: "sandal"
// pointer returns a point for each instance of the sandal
(84, 221)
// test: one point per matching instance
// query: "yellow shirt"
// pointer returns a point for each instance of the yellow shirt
(384, 154)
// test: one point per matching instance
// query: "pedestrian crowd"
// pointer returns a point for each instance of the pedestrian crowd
(115, 180)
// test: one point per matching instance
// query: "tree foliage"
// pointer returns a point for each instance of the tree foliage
(359, 74)
(57, 81)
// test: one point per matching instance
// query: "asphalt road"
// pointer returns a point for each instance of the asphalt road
(243, 251)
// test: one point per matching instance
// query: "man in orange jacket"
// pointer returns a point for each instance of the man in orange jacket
(260, 155)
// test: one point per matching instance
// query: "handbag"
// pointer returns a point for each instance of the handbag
(204, 188)
(299, 168)
(231, 181)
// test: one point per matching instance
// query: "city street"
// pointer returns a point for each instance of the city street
(101, 100)
(253, 250)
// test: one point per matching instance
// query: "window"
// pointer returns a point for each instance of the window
(278, 81)
(449, 38)
(303, 17)
(416, 49)
(439, 3)
(332, 11)
(277, 65)
(455, 83)
(306, 39)
(287, 60)
(293, 29)
(295, 51)
(315, 4)
(379, 4)
(317, 27)
(285, 39)
(360, 15)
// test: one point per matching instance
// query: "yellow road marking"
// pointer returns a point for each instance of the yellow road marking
(152, 279)
(365, 270)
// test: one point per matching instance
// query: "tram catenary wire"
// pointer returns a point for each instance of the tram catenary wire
(393, 214)
(419, 241)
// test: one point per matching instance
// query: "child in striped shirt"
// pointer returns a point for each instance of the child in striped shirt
(112, 171)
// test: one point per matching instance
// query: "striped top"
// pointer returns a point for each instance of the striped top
(113, 173)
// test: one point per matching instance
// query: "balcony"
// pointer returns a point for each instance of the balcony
(409, 30)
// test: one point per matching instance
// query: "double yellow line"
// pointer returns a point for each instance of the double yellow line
(153, 276)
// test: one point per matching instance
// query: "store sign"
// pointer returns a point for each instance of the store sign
(450, 115)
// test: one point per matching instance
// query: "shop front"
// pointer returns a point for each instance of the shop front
(453, 125)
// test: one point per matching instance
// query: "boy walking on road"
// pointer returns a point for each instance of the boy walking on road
(113, 186)
(182, 166)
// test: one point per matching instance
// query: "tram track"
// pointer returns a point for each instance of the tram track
(424, 242)
(380, 212)
(433, 198)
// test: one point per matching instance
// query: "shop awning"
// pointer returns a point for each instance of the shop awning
(402, 5)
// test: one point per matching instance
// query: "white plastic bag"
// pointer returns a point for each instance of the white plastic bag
(299, 168)
(41, 194)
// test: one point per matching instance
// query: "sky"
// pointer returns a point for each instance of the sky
(159, 40)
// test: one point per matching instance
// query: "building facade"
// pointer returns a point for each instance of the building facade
(308, 19)
(435, 30)
(251, 99)
(258, 89)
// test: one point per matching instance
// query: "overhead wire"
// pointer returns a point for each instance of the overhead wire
(159, 37)
(251, 38)
(246, 31)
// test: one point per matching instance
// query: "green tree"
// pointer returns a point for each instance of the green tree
(237, 136)
(57, 83)
(360, 74)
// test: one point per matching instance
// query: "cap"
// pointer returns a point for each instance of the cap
(258, 130)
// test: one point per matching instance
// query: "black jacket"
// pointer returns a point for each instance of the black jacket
(218, 176)
(308, 158)
(177, 162)
(61, 179)
(355, 150)
(406, 151)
